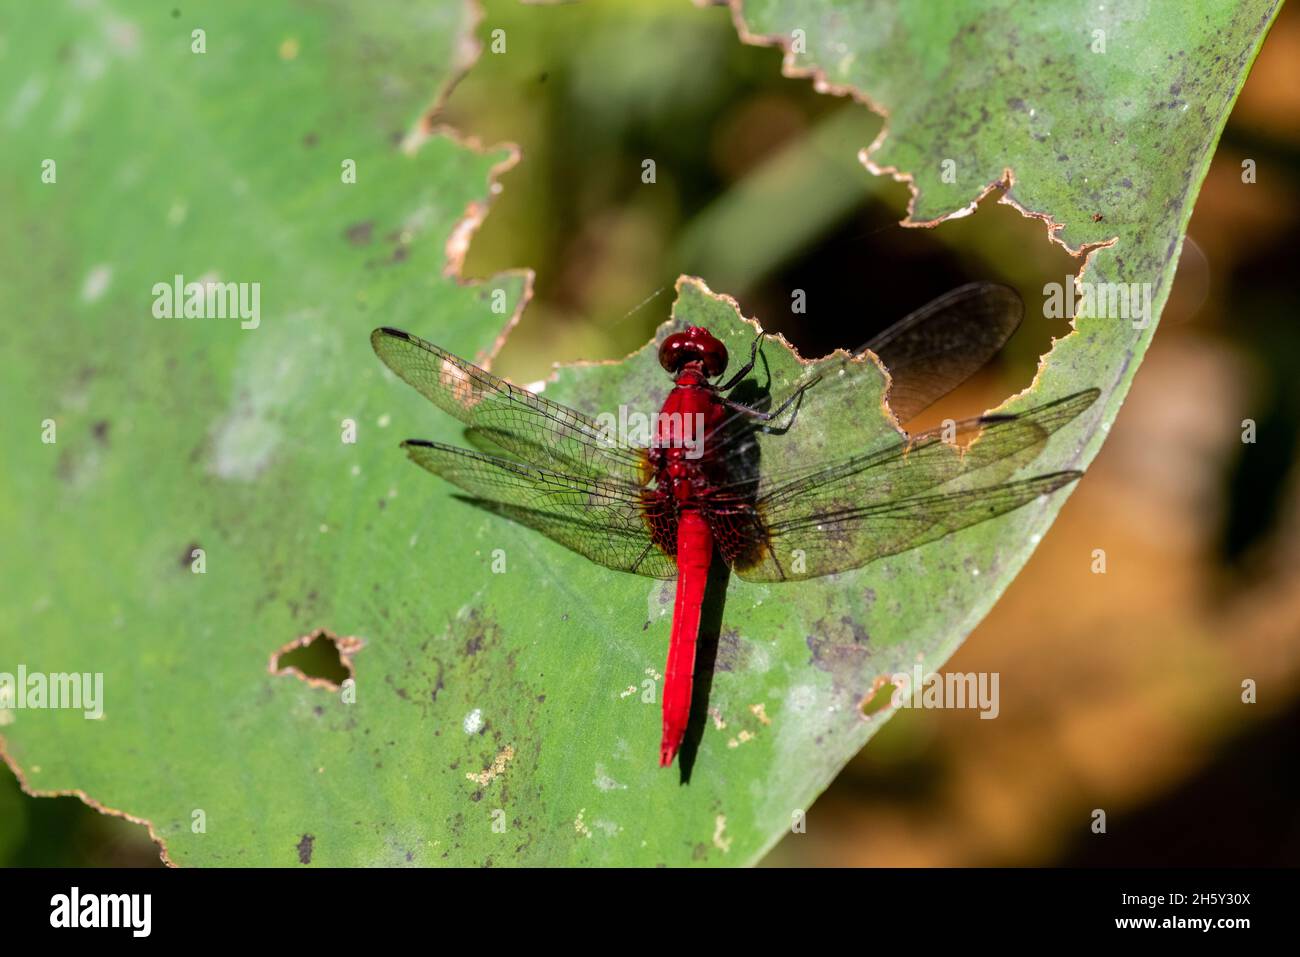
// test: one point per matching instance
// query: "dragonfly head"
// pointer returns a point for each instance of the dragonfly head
(696, 344)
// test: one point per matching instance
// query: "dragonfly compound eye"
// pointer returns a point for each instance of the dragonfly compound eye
(695, 344)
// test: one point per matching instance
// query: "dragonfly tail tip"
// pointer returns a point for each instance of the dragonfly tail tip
(667, 751)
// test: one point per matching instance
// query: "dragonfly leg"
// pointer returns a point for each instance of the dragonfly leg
(769, 416)
(746, 368)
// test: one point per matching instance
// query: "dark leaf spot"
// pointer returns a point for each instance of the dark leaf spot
(359, 234)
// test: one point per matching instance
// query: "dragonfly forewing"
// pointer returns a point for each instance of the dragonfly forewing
(933, 350)
(514, 420)
(927, 354)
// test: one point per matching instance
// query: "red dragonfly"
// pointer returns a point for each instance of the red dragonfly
(693, 495)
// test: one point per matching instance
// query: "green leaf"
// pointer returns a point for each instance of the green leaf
(499, 718)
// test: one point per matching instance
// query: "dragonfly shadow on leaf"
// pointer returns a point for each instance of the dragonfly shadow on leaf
(756, 396)
(706, 657)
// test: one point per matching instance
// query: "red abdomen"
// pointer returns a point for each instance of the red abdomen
(694, 552)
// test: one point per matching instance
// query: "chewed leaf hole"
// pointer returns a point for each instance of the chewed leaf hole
(878, 698)
(321, 658)
(765, 198)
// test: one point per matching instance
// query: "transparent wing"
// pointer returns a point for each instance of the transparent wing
(535, 430)
(928, 353)
(852, 511)
(999, 444)
(611, 523)
(938, 347)
(807, 546)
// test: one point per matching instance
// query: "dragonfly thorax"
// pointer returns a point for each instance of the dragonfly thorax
(690, 412)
